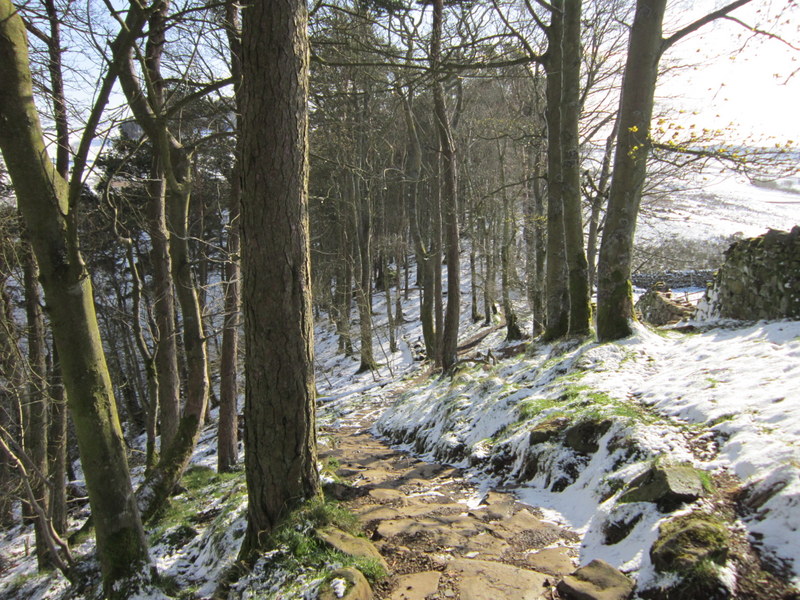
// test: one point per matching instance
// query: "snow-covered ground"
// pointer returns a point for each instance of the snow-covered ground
(723, 206)
(739, 381)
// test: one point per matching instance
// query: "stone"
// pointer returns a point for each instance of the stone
(487, 580)
(760, 279)
(343, 492)
(658, 307)
(349, 580)
(350, 544)
(487, 545)
(547, 430)
(686, 541)
(554, 561)
(498, 506)
(386, 494)
(416, 586)
(583, 437)
(668, 486)
(596, 581)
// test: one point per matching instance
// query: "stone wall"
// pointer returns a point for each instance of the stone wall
(694, 278)
(760, 279)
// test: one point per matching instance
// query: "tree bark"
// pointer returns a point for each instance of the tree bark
(449, 176)
(36, 404)
(44, 200)
(228, 427)
(557, 293)
(580, 313)
(280, 436)
(614, 292)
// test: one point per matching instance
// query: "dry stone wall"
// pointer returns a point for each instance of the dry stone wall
(760, 279)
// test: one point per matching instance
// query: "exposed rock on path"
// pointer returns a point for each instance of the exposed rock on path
(440, 538)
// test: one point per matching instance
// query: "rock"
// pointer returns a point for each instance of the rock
(499, 506)
(616, 530)
(487, 545)
(486, 580)
(343, 492)
(683, 543)
(596, 581)
(350, 544)
(554, 561)
(386, 494)
(658, 307)
(547, 430)
(583, 436)
(668, 486)
(350, 583)
(416, 586)
(759, 279)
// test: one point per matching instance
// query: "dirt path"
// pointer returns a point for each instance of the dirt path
(439, 536)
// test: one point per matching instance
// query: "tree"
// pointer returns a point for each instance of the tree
(449, 186)
(48, 206)
(646, 47)
(279, 435)
(227, 432)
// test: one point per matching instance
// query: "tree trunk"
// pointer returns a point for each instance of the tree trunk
(166, 342)
(557, 292)
(12, 370)
(597, 203)
(228, 427)
(44, 201)
(421, 253)
(36, 404)
(535, 239)
(489, 260)
(577, 268)
(363, 209)
(449, 176)
(513, 331)
(614, 292)
(280, 436)
(57, 450)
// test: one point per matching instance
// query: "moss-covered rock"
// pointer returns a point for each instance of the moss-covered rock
(686, 542)
(346, 584)
(584, 436)
(548, 430)
(668, 486)
(351, 545)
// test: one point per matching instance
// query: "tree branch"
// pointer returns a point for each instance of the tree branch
(692, 27)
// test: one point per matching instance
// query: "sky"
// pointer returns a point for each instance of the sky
(739, 78)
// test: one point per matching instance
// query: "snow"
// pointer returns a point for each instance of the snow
(740, 381)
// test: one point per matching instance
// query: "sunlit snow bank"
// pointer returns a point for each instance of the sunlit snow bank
(742, 385)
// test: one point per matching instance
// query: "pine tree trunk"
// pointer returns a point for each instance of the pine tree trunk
(280, 436)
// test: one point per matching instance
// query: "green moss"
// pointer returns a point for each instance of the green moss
(717, 420)
(687, 544)
(300, 550)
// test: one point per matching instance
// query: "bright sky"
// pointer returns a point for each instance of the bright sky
(743, 79)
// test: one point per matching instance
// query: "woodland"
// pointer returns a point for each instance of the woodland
(188, 186)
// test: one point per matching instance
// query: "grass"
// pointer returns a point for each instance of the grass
(200, 483)
(301, 547)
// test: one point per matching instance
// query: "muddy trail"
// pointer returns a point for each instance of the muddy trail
(439, 536)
